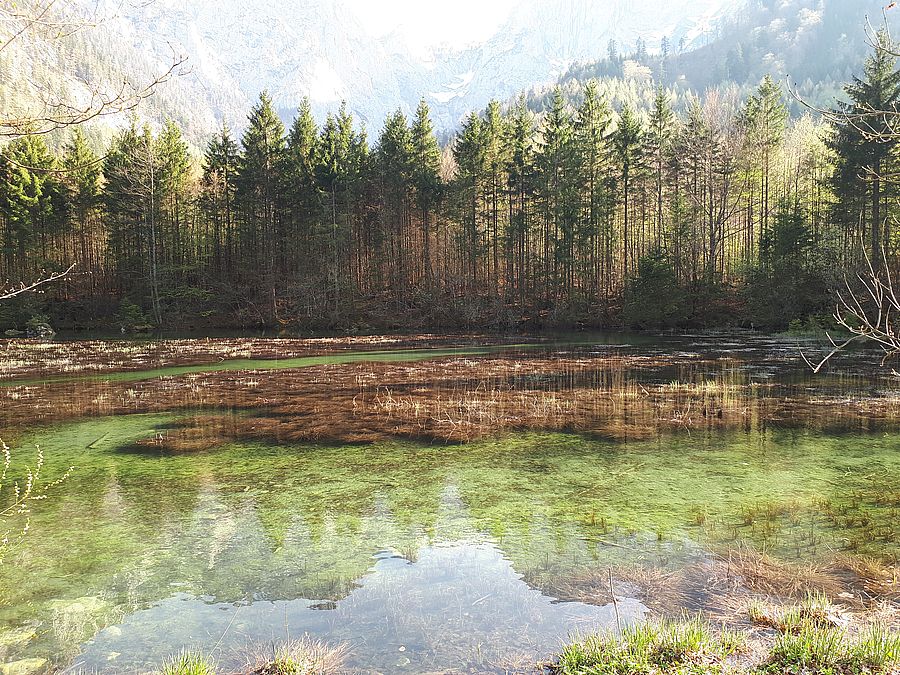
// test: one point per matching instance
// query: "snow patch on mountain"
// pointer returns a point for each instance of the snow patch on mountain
(319, 49)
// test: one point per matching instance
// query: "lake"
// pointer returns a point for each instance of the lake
(434, 504)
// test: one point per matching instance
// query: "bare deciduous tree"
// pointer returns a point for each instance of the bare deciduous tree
(869, 312)
(52, 20)
(868, 308)
(10, 292)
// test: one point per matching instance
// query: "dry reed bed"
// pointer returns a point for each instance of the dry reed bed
(25, 358)
(724, 586)
(461, 399)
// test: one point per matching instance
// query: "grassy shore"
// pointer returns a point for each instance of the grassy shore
(812, 637)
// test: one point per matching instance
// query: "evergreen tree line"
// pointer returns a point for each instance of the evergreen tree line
(728, 211)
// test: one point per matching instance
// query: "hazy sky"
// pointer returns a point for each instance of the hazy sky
(431, 23)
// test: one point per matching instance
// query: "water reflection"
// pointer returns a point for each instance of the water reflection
(456, 606)
(221, 519)
(183, 541)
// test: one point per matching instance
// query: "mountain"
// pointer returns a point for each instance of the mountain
(811, 47)
(319, 49)
(541, 40)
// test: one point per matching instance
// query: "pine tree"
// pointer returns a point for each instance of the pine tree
(395, 165)
(470, 153)
(334, 143)
(593, 155)
(220, 165)
(28, 190)
(82, 185)
(495, 159)
(660, 135)
(132, 201)
(301, 188)
(520, 171)
(174, 164)
(764, 119)
(556, 192)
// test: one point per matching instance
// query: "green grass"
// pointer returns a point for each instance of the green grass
(676, 648)
(695, 648)
(188, 663)
(824, 651)
(300, 657)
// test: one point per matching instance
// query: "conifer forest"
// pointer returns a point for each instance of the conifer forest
(695, 210)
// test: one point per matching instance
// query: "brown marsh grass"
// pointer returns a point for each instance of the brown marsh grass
(462, 399)
(28, 358)
(725, 586)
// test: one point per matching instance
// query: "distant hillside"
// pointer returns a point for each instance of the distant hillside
(315, 48)
(811, 46)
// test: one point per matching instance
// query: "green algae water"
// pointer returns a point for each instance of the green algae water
(420, 557)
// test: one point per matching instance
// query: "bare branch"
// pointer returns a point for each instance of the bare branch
(23, 288)
(57, 19)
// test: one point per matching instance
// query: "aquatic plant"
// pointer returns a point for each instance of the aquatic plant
(455, 395)
(815, 611)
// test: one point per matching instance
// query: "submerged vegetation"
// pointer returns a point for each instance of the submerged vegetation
(206, 476)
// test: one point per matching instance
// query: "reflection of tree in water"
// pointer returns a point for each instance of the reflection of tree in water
(250, 522)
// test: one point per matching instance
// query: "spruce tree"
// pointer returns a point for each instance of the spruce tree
(81, 177)
(28, 190)
(557, 180)
(520, 172)
(426, 178)
(764, 119)
(302, 195)
(258, 184)
(220, 165)
(470, 153)
(593, 156)
(660, 135)
(865, 139)
(395, 166)
(628, 144)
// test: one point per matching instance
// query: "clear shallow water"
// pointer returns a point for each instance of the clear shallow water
(439, 550)
(421, 557)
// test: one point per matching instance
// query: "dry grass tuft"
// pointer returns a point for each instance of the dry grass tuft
(763, 574)
(660, 589)
(305, 656)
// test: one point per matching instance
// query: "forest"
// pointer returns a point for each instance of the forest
(718, 209)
